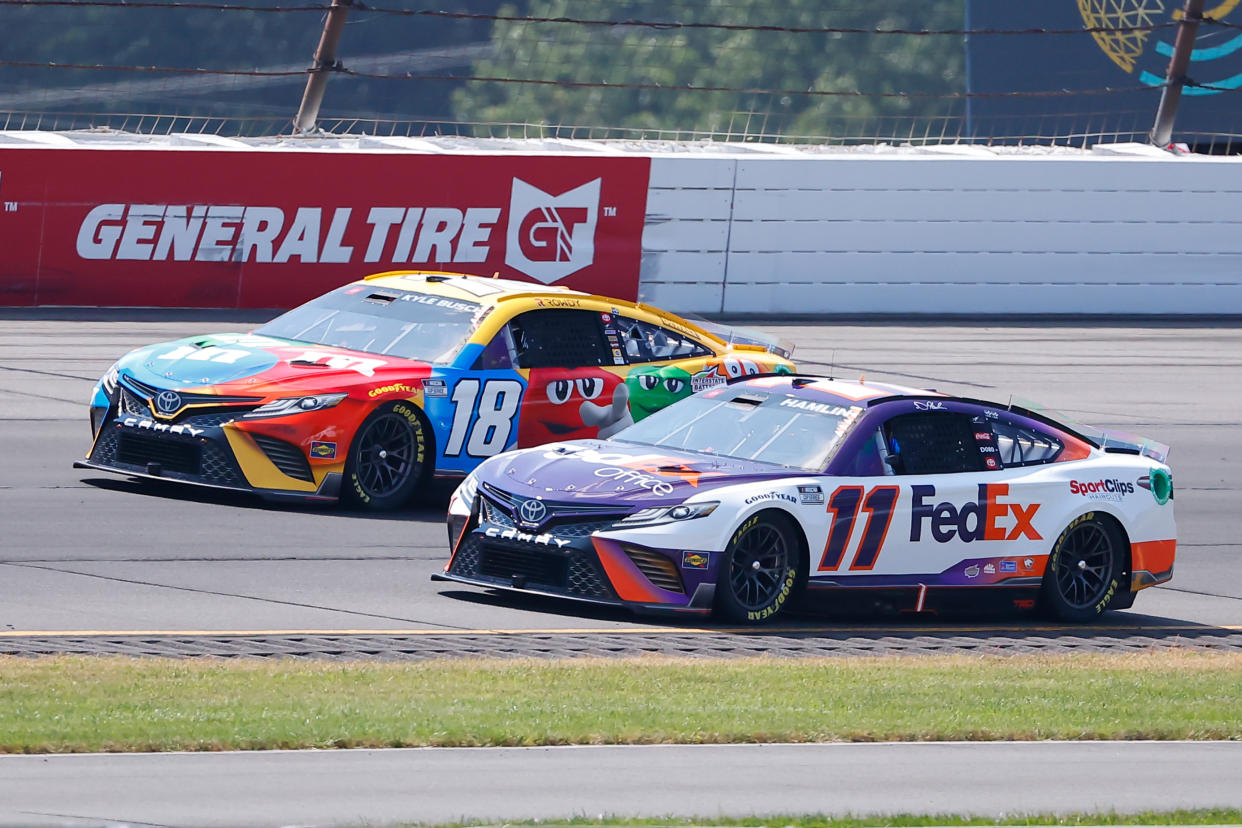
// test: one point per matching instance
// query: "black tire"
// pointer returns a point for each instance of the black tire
(388, 457)
(760, 570)
(1084, 569)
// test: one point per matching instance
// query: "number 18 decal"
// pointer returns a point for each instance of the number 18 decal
(488, 431)
(843, 505)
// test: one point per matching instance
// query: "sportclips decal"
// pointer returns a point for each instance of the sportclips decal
(204, 228)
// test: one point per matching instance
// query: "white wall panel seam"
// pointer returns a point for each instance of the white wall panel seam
(724, 293)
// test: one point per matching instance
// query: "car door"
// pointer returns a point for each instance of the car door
(914, 495)
(575, 378)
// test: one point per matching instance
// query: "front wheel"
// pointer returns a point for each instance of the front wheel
(388, 457)
(759, 572)
(1083, 575)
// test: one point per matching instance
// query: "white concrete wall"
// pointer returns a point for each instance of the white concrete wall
(927, 234)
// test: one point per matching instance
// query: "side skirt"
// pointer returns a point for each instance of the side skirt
(920, 599)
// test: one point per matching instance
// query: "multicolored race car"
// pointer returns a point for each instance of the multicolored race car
(744, 497)
(369, 390)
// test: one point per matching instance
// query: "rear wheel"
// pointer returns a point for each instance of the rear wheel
(759, 572)
(1083, 575)
(388, 457)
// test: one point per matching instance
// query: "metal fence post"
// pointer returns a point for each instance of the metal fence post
(324, 62)
(1162, 132)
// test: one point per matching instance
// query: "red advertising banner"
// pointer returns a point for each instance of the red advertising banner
(271, 228)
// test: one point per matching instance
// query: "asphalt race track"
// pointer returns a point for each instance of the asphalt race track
(490, 786)
(88, 552)
(100, 564)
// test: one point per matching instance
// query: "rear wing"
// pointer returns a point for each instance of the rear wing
(746, 336)
(1122, 442)
(1108, 439)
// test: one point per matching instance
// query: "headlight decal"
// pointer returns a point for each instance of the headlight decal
(659, 515)
(296, 405)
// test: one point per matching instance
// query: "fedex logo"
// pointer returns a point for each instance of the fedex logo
(989, 518)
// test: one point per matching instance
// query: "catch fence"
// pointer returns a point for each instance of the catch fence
(1072, 72)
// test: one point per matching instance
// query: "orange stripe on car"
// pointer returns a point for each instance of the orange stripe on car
(1152, 556)
(625, 577)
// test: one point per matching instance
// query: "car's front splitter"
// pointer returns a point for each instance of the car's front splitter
(200, 457)
(526, 589)
(328, 491)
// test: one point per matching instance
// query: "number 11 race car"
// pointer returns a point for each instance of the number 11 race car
(367, 391)
(747, 496)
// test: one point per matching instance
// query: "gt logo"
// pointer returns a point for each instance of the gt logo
(979, 520)
(549, 237)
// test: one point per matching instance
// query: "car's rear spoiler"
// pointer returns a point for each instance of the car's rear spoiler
(1122, 442)
(1108, 439)
(745, 336)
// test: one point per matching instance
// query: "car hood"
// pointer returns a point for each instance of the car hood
(606, 471)
(252, 365)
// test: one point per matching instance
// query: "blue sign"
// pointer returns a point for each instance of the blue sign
(1112, 75)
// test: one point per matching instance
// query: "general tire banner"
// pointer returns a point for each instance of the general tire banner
(273, 228)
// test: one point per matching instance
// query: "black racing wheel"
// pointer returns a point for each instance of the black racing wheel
(760, 571)
(1083, 576)
(388, 457)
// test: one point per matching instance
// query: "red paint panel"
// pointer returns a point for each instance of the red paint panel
(272, 229)
(1153, 556)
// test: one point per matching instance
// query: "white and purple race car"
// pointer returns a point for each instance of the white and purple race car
(745, 497)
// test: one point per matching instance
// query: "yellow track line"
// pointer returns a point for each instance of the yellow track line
(754, 631)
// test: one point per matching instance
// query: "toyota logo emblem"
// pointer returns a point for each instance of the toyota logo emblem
(532, 512)
(168, 402)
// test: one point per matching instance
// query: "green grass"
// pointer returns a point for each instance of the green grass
(69, 704)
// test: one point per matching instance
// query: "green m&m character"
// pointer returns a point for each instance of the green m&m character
(652, 388)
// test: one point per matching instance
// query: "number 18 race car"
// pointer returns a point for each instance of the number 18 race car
(368, 390)
(747, 496)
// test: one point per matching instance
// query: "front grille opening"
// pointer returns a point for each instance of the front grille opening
(542, 569)
(285, 456)
(656, 568)
(172, 455)
(568, 528)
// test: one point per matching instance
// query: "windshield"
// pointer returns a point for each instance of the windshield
(784, 429)
(382, 321)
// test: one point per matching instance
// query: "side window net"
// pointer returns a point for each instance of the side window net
(559, 339)
(932, 442)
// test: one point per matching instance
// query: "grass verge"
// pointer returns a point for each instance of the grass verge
(74, 704)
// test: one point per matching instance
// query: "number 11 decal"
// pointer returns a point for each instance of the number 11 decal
(843, 505)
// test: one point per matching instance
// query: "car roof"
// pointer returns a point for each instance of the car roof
(868, 394)
(481, 289)
(492, 290)
(838, 391)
